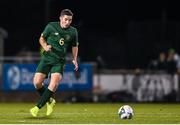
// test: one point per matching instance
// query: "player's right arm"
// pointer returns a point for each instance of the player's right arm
(43, 38)
(44, 44)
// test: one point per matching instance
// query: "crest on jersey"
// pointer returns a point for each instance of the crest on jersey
(67, 37)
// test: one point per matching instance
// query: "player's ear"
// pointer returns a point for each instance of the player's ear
(61, 17)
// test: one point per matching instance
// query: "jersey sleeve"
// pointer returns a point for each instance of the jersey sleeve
(46, 32)
(75, 39)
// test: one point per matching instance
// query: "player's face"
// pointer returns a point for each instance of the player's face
(65, 21)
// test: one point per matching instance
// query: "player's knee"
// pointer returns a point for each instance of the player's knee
(53, 87)
(37, 84)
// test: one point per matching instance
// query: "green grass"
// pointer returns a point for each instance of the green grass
(85, 113)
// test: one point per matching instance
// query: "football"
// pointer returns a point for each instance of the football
(125, 112)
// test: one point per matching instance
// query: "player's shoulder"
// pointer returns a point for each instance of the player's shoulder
(72, 28)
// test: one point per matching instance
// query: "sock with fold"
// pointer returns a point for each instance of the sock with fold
(44, 98)
(41, 90)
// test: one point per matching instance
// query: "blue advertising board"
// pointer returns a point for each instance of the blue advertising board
(20, 77)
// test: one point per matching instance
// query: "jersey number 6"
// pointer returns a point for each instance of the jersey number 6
(61, 41)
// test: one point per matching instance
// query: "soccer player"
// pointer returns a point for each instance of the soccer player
(55, 39)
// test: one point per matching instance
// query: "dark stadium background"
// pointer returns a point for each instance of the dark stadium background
(126, 34)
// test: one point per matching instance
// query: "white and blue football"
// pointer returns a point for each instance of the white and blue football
(125, 112)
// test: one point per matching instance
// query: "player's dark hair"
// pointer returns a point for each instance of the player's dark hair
(66, 12)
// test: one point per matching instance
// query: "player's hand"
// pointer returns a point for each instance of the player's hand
(48, 48)
(75, 65)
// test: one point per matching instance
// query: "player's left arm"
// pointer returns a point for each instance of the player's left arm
(75, 55)
(75, 44)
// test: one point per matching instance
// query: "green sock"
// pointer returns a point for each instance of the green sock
(44, 98)
(41, 90)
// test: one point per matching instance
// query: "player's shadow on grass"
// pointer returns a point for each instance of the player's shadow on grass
(39, 117)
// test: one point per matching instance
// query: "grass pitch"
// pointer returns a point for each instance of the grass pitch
(90, 113)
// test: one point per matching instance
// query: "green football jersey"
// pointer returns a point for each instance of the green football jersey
(59, 39)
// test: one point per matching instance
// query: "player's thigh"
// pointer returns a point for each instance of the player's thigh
(39, 78)
(43, 67)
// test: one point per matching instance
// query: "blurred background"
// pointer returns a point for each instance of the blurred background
(129, 50)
